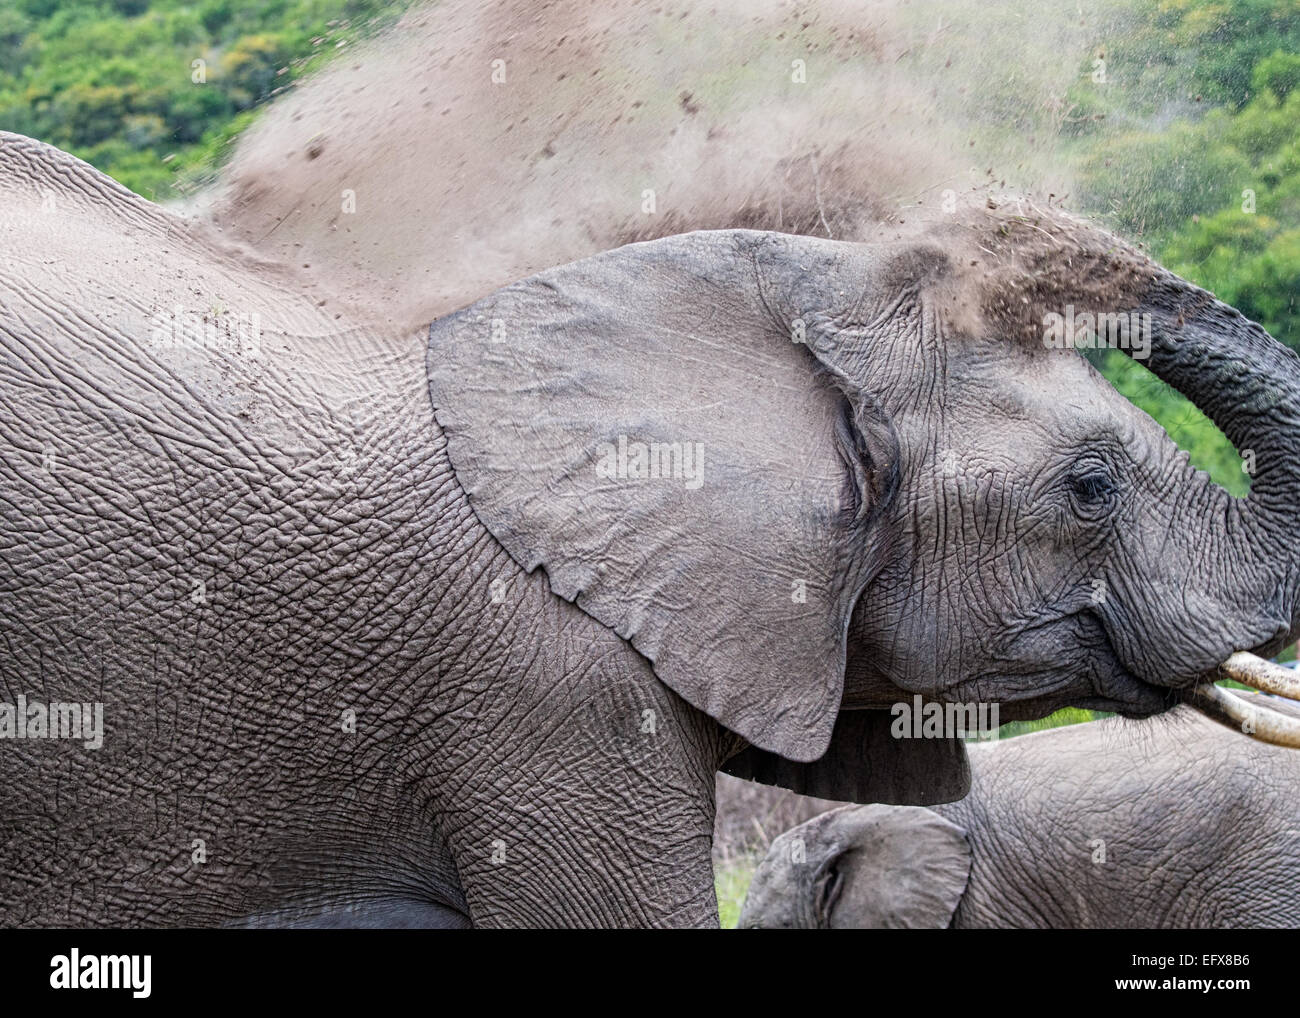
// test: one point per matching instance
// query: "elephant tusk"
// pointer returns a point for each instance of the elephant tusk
(1262, 723)
(1263, 675)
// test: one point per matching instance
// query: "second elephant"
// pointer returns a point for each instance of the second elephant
(1092, 826)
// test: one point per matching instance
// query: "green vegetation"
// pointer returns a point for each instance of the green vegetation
(153, 91)
(1197, 149)
(1191, 144)
(1190, 141)
(731, 883)
(1065, 716)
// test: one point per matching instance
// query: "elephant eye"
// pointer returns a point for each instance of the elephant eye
(1092, 488)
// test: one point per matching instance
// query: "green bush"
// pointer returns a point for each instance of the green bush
(1278, 73)
(248, 70)
(1156, 182)
(1064, 716)
(1216, 193)
(113, 81)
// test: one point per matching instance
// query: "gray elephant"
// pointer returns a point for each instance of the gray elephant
(1091, 826)
(311, 621)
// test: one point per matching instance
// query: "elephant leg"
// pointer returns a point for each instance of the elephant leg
(606, 819)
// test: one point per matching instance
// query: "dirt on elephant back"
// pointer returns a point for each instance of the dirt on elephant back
(479, 143)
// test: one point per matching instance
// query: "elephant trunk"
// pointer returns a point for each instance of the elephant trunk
(1249, 385)
(1244, 380)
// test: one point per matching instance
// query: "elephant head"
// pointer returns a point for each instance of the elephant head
(862, 867)
(806, 478)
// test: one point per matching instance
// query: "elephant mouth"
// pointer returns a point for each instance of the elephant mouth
(1029, 695)
(1263, 718)
(1029, 687)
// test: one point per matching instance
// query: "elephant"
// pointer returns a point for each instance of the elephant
(1084, 827)
(457, 628)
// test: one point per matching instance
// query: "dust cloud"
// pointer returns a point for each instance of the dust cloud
(477, 143)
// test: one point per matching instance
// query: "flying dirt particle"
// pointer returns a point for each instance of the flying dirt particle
(842, 160)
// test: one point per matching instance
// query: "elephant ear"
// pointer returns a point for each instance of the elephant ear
(905, 868)
(863, 867)
(655, 433)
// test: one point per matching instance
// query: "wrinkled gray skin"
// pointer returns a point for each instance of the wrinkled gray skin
(337, 689)
(1088, 827)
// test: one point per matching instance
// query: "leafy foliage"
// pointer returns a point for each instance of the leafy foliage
(731, 883)
(151, 91)
(1193, 145)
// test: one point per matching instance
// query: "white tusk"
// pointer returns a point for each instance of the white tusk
(1263, 675)
(1262, 723)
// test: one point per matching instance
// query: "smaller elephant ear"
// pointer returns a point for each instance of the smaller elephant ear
(648, 428)
(865, 867)
(903, 867)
